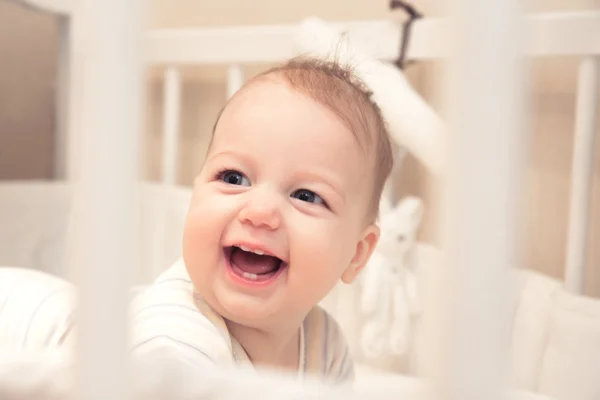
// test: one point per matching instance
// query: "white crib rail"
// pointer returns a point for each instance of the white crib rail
(103, 222)
(549, 34)
(171, 118)
(480, 231)
(235, 79)
(62, 98)
(582, 172)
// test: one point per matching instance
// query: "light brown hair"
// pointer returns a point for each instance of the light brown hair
(336, 87)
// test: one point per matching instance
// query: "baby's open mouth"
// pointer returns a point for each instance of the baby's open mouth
(252, 265)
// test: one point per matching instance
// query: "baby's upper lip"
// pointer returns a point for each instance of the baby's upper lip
(256, 248)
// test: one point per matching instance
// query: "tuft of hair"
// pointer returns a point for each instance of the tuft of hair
(335, 86)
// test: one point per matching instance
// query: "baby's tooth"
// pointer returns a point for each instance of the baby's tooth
(244, 248)
(251, 276)
(259, 252)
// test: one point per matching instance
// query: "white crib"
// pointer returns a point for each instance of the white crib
(94, 122)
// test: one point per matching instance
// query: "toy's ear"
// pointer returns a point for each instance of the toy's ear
(411, 209)
(385, 205)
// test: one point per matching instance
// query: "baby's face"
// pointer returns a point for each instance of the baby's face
(278, 211)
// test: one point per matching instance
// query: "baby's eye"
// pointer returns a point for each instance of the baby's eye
(234, 178)
(308, 196)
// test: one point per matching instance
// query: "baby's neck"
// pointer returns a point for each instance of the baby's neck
(270, 349)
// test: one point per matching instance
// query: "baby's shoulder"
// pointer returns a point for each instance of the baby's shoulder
(320, 327)
(319, 317)
(326, 348)
(172, 293)
(174, 284)
(166, 314)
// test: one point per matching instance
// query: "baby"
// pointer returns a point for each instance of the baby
(284, 207)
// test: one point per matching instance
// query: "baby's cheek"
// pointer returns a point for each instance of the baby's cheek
(209, 207)
(194, 240)
(321, 254)
(204, 225)
(198, 222)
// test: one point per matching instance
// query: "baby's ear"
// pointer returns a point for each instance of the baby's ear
(364, 249)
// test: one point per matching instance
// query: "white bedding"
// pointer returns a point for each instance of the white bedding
(48, 377)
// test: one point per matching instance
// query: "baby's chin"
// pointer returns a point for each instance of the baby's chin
(251, 311)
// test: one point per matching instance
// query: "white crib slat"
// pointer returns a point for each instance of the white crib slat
(103, 252)
(62, 98)
(582, 173)
(171, 118)
(485, 151)
(235, 79)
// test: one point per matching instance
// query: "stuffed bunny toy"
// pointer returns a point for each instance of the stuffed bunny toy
(389, 287)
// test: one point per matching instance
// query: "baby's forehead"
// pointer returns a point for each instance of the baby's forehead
(259, 88)
(275, 105)
(272, 103)
(326, 98)
(289, 120)
(255, 90)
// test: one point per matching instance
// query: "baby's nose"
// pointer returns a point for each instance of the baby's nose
(262, 211)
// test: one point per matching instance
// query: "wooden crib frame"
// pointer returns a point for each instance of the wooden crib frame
(99, 98)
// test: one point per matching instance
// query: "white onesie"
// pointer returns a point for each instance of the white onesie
(170, 318)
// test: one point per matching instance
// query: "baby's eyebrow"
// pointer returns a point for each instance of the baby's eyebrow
(231, 154)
